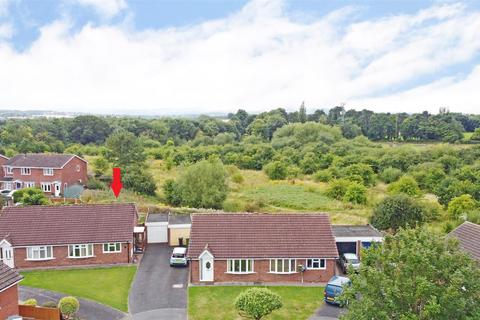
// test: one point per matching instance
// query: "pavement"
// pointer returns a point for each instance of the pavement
(89, 310)
(158, 290)
(328, 312)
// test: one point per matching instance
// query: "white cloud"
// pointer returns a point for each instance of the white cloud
(4, 7)
(258, 58)
(106, 8)
(6, 31)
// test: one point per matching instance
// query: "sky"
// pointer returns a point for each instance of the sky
(164, 57)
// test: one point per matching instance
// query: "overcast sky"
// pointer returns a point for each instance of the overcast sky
(178, 56)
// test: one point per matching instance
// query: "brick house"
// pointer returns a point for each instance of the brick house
(468, 234)
(3, 160)
(53, 236)
(261, 248)
(50, 172)
(9, 280)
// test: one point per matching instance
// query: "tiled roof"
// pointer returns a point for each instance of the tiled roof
(8, 277)
(355, 231)
(262, 236)
(72, 224)
(39, 160)
(469, 236)
(4, 157)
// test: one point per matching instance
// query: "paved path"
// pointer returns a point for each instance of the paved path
(328, 312)
(89, 310)
(158, 290)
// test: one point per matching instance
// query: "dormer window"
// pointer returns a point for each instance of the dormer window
(48, 172)
(25, 171)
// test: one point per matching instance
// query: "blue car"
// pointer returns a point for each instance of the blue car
(334, 288)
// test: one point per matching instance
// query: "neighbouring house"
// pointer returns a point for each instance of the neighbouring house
(53, 236)
(53, 173)
(173, 229)
(3, 160)
(468, 234)
(261, 248)
(351, 238)
(9, 280)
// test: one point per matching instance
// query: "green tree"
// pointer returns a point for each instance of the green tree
(172, 192)
(461, 205)
(30, 197)
(138, 179)
(204, 184)
(390, 175)
(398, 211)
(407, 185)
(124, 149)
(257, 303)
(476, 135)
(100, 166)
(302, 114)
(276, 170)
(337, 188)
(414, 274)
(89, 129)
(356, 193)
(362, 170)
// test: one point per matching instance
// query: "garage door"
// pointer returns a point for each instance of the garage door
(346, 247)
(157, 233)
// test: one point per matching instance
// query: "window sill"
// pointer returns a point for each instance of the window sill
(81, 257)
(112, 252)
(283, 272)
(315, 269)
(46, 259)
(240, 273)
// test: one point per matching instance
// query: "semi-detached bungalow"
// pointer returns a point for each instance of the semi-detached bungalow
(261, 248)
(53, 236)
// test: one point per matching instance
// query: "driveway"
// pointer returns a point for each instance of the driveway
(158, 290)
(328, 312)
(89, 310)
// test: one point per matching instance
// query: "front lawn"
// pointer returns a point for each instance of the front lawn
(109, 286)
(217, 302)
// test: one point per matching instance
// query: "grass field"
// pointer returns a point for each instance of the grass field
(109, 286)
(217, 302)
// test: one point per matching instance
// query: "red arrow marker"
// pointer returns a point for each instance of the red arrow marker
(116, 182)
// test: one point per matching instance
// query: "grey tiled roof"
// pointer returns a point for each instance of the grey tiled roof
(469, 236)
(8, 277)
(340, 230)
(157, 217)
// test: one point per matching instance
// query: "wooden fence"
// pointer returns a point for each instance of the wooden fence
(39, 313)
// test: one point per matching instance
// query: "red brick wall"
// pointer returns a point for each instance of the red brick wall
(2, 162)
(60, 255)
(70, 175)
(261, 269)
(9, 302)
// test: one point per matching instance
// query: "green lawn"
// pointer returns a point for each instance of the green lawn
(109, 286)
(217, 302)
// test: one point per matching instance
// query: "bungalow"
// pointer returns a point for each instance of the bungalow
(53, 173)
(9, 280)
(53, 236)
(468, 234)
(261, 248)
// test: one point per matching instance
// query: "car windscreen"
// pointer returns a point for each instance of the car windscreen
(353, 261)
(333, 290)
(178, 255)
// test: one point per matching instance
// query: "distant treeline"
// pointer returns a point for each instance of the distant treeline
(57, 134)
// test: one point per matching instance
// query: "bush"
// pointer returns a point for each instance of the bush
(322, 176)
(363, 170)
(398, 211)
(276, 170)
(173, 194)
(293, 172)
(256, 303)
(68, 306)
(100, 166)
(461, 205)
(31, 196)
(337, 189)
(237, 178)
(356, 193)
(138, 179)
(231, 205)
(390, 175)
(94, 184)
(49, 304)
(407, 185)
(30, 302)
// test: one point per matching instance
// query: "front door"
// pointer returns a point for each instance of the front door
(7, 256)
(206, 268)
(57, 189)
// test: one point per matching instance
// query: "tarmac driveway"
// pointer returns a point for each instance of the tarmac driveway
(158, 290)
(328, 312)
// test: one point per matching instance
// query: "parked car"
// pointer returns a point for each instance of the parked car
(349, 260)
(5, 192)
(334, 289)
(179, 257)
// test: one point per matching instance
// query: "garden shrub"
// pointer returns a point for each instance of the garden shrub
(356, 193)
(256, 303)
(68, 307)
(390, 175)
(337, 188)
(49, 304)
(30, 302)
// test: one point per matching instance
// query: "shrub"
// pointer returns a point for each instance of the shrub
(30, 302)
(356, 193)
(276, 170)
(293, 172)
(461, 205)
(94, 184)
(337, 189)
(100, 166)
(68, 307)
(407, 185)
(49, 304)
(139, 180)
(231, 205)
(363, 170)
(390, 175)
(173, 194)
(256, 303)
(31, 196)
(322, 176)
(237, 178)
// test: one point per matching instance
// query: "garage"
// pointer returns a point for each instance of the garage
(157, 228)
(346, 247)
(350, 238)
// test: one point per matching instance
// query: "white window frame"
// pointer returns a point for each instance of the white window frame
(112, 247)
(44, 186)
(48, 171)
(29, 184)
(274, 264)
(46, 250)
(25, 171)
(315, 261)
(73, 247)
(8, 170)
(232, 263)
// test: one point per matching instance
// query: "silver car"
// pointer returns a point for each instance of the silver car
(349, 260)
